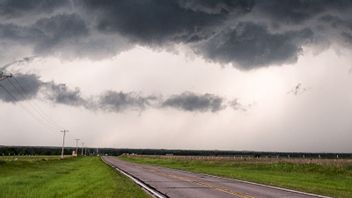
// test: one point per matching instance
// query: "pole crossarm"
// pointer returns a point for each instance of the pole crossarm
(3, 76)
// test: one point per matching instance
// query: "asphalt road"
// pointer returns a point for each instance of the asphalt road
(176, 184)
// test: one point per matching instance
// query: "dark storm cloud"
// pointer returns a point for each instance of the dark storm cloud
(60, 93)
(64, 35)
(247, 33)
(337, 22)
(21, 34)
(250, 34)
(19, 8)
(189, 101)
(22, 87)
(28, 86)
(217, 7)
(47, 33)
(19, 88)
(157, 21)
(59, 29)
(120, 101)
(252, 45)
(295, 12)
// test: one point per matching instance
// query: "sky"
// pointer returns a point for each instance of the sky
(270, 75)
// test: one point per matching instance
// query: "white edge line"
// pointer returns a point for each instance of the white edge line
(153, 192)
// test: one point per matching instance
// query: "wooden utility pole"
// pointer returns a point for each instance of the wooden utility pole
(63, 143)
(77, 146)
(82, 148)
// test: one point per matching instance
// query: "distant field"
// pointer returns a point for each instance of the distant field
(46, 176)
(321, 176)
(32, 158)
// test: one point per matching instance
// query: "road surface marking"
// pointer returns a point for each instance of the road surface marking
(187, 179)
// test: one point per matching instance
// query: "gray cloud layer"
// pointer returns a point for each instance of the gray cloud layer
(17, 8)
(247, 33)
(251, 45)
(60, 93)
(29, 86)
(120, 101)
(192, 102)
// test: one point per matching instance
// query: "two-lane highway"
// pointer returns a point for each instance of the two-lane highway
(176, 183)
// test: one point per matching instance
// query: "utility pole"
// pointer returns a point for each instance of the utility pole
(77, 146)
(82, 148)
(4, 76)
(63, 143)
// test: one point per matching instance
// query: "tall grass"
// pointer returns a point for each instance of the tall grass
(72, 177)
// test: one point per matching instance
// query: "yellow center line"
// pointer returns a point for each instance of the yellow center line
(205, 184)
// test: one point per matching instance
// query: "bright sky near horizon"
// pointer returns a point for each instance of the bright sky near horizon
(186, 74)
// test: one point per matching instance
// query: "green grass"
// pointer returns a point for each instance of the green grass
(73, 177)
(333, 178)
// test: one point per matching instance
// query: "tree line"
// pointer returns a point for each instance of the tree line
(47, 150)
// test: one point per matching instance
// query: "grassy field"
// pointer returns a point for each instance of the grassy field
(73, 177)
(325, 177)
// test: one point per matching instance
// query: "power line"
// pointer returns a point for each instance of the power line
(42, 117)
(30, 104)
(4, 76)
(9, 93)
(38, 116)
(34, 106)
(38, 106)
(14, 99)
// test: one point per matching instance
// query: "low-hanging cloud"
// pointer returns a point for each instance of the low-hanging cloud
(189, 101)
(120, 101)
(60, 93)
(29, 86)
(248, 34)
(22, 87)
